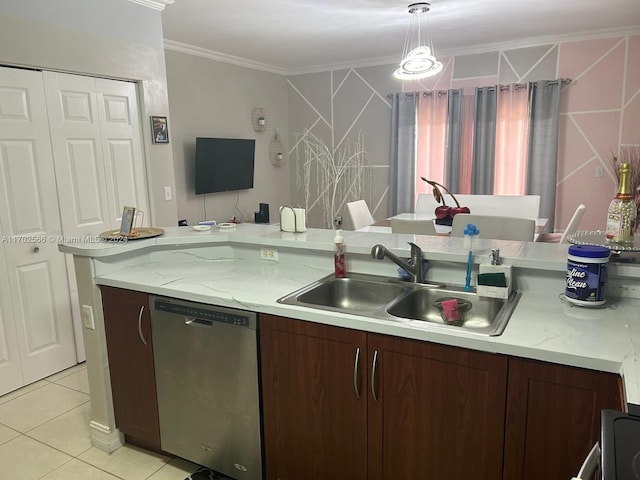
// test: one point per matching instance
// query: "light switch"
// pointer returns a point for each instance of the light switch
(167, 193)
(87, 317)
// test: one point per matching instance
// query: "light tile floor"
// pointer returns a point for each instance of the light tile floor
(44, 435)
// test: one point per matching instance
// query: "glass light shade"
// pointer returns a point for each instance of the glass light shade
(419, 63)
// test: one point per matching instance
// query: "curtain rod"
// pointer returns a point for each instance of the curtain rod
(517, 86)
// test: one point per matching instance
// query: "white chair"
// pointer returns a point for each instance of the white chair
(495, 227)
(360, 214)
(524, 206)
(417, 227)
(572, 227)
(426, 203)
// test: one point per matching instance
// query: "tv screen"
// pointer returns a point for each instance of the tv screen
(224, 164)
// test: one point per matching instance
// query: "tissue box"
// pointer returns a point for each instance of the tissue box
(494, 291)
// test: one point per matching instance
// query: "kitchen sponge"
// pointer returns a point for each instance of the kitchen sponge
(493, 279)
(450, 310)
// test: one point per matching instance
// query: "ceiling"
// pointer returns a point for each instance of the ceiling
(296, 36)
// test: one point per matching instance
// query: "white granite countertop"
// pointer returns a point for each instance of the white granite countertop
(224, 268)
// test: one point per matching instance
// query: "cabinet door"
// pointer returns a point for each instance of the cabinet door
(435, 412)
(313, 400)
(130, 351)
(553, 417)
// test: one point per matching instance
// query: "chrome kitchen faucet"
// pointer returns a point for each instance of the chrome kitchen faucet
(414, 267)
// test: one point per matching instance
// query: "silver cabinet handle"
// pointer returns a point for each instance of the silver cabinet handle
(140, 325)
(355, 373)
(373, 376)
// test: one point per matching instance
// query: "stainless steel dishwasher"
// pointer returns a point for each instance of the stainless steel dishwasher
(206, 364)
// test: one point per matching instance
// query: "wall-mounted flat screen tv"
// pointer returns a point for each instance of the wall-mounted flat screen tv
(224, 164)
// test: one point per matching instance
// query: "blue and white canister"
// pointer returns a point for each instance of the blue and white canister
(586, 275)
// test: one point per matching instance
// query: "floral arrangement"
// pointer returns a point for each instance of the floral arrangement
(445, 213)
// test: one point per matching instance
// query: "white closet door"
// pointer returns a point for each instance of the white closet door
(122, 148)
(77, 153)
(10, 367)
(99, 160)
(31, 226)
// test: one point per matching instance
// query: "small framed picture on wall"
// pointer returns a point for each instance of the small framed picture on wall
(160, 129)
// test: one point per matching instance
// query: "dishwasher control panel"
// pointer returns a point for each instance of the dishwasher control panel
(201, 313)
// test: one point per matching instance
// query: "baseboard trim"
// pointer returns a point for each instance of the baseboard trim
(105, 438)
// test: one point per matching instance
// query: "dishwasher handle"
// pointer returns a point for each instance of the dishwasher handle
(198, 322)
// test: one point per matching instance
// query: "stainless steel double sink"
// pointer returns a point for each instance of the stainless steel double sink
(388, 298)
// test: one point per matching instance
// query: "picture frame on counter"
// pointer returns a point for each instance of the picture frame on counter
(126, 225)
(159, 129)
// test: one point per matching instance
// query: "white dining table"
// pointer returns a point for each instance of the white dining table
(541, 223)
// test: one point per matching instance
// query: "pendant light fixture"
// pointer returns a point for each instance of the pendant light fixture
(418, 60)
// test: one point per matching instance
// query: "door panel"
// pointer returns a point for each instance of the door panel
(25, 208)
(122, 147)
(83, 165)
(314, 400)
(35, 271)
(77, 153)
(553, 417)
(10, 367)
(444, 405)
(42, 311)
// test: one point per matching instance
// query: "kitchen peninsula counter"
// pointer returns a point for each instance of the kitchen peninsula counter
(225, 268)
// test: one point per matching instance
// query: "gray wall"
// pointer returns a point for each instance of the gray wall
(116, 39)
(338, 105)
(215, 99)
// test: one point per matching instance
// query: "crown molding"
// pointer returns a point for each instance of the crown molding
(155, 4)
(372, 62)
(538, 41)
(221, 57)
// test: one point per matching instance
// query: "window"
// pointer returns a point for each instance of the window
(506, 146)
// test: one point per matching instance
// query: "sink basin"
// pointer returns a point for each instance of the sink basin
(480, 314)
(355, 293)
(391, 299)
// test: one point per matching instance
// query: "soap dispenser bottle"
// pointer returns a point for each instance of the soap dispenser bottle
(338, 256)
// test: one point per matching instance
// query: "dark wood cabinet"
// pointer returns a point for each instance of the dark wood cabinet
(553, 417)
(130, 352)
(435, 411)
(314, 402)
(340, 403)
